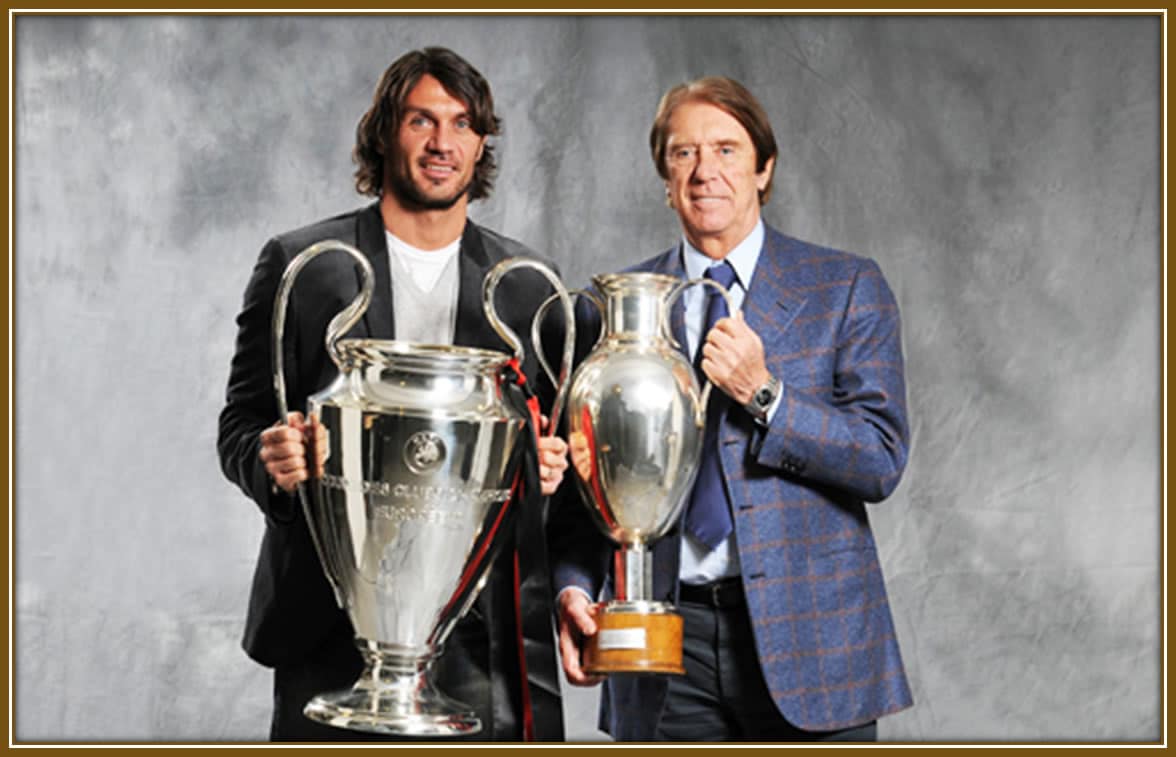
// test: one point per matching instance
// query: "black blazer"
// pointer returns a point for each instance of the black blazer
(291, 606)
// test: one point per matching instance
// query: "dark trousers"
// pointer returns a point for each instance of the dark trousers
(462, 673)
(723, 696)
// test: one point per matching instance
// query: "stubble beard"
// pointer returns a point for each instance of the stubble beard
(412, 198)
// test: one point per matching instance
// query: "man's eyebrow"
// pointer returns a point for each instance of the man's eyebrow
(427, 112)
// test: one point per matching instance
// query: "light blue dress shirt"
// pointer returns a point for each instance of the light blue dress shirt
(698, 564)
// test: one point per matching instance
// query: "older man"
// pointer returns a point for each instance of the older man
(788, 634)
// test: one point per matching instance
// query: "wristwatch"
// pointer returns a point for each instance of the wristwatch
(763, 399)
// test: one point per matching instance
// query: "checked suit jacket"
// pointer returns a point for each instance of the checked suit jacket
(824, 636)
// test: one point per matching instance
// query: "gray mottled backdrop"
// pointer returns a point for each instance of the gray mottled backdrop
(1005, 172)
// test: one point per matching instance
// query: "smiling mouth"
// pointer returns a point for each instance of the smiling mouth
(438, 171)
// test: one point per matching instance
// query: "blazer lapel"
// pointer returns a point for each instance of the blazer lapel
(472, 329)
(770, 305)
(369, 236)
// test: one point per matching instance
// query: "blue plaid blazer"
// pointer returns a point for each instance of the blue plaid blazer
(824, 635)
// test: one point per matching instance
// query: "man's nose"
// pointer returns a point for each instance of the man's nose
(441, 139)
(707, 166)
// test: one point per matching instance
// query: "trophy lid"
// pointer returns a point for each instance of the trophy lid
(635, 282)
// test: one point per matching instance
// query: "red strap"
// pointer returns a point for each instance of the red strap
(476, 561)
(532, 400)
(533, 406)
(520, 378)
(528, 713)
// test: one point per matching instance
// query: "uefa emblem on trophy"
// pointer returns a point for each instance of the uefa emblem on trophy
(409, 500)
(424, 452)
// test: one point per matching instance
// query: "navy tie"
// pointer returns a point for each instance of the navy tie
(708, 516)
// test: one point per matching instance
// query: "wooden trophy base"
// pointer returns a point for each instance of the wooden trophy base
(635, 642)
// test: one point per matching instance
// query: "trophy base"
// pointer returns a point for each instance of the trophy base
(396, 703)
(380, 712)
(648, 640)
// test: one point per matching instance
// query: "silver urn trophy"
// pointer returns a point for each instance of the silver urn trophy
(635, 419)
(414, 456)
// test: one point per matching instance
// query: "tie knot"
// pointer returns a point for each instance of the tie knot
(721, 273)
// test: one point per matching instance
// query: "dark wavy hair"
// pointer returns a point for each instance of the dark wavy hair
(732, 98)
(375, 136)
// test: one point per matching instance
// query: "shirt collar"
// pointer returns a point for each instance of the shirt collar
(743, 258)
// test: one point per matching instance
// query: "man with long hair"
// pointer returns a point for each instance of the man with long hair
(422, 150)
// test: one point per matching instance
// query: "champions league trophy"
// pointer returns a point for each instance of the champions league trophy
(635, 429)
(409, 498)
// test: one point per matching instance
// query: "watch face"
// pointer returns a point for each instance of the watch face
(763, 396)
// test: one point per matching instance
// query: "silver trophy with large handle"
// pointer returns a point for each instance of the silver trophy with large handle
(414, 458)
(635, 420)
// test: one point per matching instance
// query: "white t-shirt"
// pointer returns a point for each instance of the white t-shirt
(424, 290)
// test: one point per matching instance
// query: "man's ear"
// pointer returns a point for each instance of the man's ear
(761, 178)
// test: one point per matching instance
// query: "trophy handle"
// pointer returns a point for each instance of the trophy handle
(674, 294)
(541, 313)
(338, 326)
(490, 284)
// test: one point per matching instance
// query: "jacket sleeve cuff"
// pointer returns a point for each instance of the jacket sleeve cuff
(579, 589)
(275, 503)
(774, 446)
